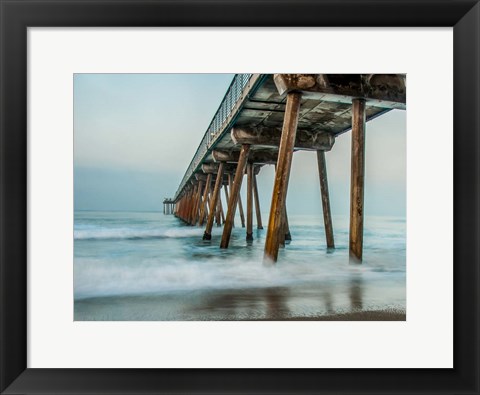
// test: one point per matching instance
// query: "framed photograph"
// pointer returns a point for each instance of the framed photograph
(237, 197)
(135, 260)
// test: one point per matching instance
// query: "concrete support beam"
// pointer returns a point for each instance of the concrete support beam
(265, 156)
(380, 90)
(270, 137)
(214, 203)
(225, 156)
(200, 177)
(282, 175)
(213, 167)
(235, 193)
(357, 179)
(327, 216)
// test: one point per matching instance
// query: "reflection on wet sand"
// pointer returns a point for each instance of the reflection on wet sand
(270, 303)
(273, 303)
(307, 302)
(356, 292)
(327, 297)
(276, 301)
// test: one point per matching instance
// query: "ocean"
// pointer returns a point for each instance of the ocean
(147, 266)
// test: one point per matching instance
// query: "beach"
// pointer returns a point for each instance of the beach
(152, 267)
(239, 305)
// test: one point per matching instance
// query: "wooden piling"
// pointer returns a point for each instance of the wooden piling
(240, 205)
(281, 240)
(207, 205)
(191, 215)
(185, 208)
(285, 235)
(327, 215)
(204, 200)
(179, 208)
(225, 189)
(282, 174)
(257, 203)
(220, 205)
(230, 185)
(214, 202)
(198, 202)
(182, 206)
(190, 204)
(240, 209)
(190, 201)
(234, 195)
(357, 179)
(187, 204)
(288, 235)
(218, 219)
(249, 235)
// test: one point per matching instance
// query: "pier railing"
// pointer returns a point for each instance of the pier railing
(240, 87)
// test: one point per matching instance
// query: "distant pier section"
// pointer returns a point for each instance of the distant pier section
(168, 206)
(262, 120)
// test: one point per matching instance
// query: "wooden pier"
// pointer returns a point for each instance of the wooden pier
(263, 120)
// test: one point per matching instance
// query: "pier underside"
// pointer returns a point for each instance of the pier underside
(274, 116)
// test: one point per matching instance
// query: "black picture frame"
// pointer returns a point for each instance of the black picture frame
(17, 15)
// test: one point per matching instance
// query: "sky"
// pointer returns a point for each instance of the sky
(135, 135)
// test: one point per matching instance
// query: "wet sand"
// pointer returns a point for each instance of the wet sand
(375, 315)
(306, 303)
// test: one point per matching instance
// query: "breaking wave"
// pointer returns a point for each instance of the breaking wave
(96, 277)
(135, 233)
